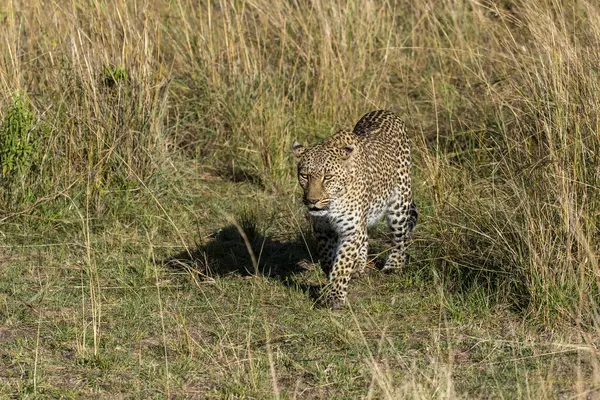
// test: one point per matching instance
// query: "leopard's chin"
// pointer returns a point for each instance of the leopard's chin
(318, 212)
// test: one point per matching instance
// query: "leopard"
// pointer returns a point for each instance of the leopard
(350, 181)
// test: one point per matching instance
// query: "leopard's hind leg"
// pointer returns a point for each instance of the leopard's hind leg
(401, 219)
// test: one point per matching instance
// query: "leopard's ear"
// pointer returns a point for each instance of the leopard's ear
(298, 149)
(348, 151)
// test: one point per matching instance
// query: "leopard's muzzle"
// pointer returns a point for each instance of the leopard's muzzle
(316, 207)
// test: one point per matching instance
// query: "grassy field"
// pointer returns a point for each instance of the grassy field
(152, 241)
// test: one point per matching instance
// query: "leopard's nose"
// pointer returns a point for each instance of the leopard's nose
(310, 203)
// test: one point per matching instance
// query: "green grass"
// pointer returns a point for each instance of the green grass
(152, 241)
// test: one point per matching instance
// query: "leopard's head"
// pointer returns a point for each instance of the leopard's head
(324, 170)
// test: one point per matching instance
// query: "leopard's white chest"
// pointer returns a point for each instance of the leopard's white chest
(345, 216)
(376, 210)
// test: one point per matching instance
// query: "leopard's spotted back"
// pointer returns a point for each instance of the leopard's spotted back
(380, 121)
(384, 160)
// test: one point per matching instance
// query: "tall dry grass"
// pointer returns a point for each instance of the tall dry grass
(501, 97)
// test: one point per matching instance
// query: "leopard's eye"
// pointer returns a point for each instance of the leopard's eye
(303, 175)
(327, 178)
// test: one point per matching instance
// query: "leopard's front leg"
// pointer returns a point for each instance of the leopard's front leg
(327, 242)
(350, 247)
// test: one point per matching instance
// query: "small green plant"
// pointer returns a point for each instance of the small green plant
(114, 75)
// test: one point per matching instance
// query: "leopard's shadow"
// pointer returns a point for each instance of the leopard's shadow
(227, 253)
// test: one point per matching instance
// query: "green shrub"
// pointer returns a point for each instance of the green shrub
(17, 141)
(20, 151)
